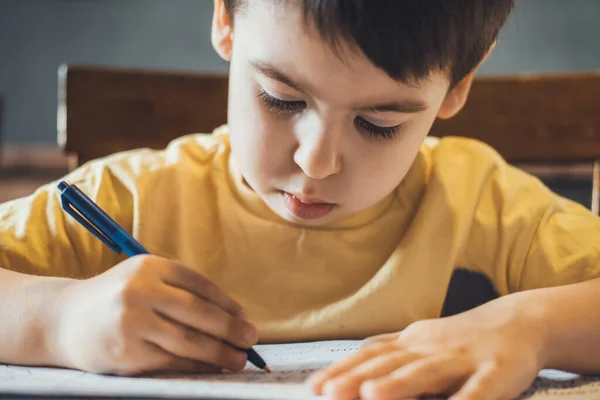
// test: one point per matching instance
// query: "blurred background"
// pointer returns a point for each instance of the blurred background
(36, 36)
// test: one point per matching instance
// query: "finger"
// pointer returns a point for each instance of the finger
(165, 361)
(317, 380)
(348, 385)
(422, 377)
(483, 384)
(181, 364)
(194, 282)
(147, 357)
(182, 341)
(204, 316)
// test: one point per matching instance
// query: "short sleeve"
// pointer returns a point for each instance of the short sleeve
(524, 236)
(565, 247)
(38, 237)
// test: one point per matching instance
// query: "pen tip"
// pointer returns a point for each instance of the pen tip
(267, 369)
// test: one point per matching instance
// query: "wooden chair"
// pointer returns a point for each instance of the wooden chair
(105, 110)
(530, 120)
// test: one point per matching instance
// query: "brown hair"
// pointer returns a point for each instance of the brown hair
(408, 39)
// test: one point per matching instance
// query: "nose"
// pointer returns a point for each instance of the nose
(318, 153)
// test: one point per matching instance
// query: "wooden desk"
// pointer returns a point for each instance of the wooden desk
(24, 169)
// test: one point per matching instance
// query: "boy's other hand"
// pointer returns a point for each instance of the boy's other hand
(491, 352)
(151, 314)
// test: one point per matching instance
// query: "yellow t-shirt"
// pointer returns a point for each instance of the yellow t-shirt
(462, 227)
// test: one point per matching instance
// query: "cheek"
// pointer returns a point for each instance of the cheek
(375, 174)
(260, 142)
(378, 175)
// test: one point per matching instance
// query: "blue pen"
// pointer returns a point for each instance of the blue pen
(95, 220)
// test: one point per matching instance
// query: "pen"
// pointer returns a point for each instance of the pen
(99, 223)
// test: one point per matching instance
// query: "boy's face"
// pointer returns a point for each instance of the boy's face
(317, 135)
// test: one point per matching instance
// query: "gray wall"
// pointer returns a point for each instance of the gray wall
(36, 36)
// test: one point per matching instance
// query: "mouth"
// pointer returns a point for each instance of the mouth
(305, 207)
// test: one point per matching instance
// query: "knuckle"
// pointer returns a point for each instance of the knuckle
(416, 326)
(375, 349)
(496, 364)
(135, 284)
(148, 266)
(141, 262)
(129, 293)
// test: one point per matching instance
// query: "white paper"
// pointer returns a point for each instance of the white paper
(291, 365)
(552, 384)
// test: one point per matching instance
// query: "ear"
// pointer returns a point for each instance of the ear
(457, 96)
(222, 31)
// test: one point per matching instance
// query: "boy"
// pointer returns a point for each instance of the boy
(320, 212)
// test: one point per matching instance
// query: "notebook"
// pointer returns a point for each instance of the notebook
(291, 365)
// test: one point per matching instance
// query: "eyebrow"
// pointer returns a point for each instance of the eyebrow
(273, 73)
(404, 106)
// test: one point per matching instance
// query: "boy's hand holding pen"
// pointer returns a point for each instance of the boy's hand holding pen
(148, 313)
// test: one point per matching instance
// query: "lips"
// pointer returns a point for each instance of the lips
(306, 208)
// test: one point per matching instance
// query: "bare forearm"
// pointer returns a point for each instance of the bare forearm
(28, 317)
(570, 320)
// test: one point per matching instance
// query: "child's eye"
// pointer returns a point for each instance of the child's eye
(280, 107)
(377, 132)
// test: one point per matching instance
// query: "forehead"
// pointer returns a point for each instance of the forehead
(276, 33)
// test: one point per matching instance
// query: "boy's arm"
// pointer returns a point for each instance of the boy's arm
(547, 258)
(544, 251)
(42, 251)
(29, 309)
(570, 320)
(129, 316)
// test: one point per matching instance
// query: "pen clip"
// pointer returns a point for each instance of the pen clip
(72, 211)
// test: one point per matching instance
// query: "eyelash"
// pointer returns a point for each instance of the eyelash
(278, 106)
(377, 132)
(288, 108)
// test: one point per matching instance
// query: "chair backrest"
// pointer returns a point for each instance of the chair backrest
(528, 119)
(105, 110)
(552, 119)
